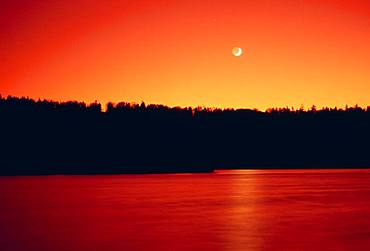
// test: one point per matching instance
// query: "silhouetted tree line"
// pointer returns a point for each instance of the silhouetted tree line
(42, 137)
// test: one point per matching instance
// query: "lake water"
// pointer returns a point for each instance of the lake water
(225, 210)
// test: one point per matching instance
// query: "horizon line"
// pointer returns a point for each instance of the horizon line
(104, 106)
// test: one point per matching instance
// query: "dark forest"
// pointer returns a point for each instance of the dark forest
(47, 137)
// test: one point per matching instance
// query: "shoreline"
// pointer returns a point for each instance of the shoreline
(188, 171)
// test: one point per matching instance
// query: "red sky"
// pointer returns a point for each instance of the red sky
(179, 52)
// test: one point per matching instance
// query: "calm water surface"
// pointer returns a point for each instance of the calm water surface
(225, 210)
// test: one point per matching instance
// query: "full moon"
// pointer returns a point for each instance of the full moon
(237, 51)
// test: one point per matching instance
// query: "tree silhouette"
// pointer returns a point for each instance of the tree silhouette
(45, 137)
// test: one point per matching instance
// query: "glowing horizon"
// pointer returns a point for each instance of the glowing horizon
(179, 53)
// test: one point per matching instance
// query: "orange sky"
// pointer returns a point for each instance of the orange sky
(179, 52)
